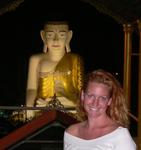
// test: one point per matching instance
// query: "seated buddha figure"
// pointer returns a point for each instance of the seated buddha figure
(56, 71)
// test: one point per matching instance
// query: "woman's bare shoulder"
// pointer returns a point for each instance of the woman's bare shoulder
(74, 128)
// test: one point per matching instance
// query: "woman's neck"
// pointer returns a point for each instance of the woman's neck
(98, 122)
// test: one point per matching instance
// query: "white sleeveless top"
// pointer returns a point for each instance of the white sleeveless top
(119, 139)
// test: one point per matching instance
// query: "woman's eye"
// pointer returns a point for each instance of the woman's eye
(90, 96)
(102, 98)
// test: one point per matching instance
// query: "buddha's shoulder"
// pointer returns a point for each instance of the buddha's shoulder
(37, 56)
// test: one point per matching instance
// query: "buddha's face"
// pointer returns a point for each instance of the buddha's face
(56, 36)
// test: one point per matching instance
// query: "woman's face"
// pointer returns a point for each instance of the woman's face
(96, 99)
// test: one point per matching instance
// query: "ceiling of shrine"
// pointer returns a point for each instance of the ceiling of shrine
(123, 11)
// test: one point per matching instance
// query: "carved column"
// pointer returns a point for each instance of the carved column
(127, 28)
(139, 89)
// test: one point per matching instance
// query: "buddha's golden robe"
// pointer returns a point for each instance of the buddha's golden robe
(66, 81)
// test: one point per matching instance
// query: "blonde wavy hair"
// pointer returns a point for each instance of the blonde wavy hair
(118, 109)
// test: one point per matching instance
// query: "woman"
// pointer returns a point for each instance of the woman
(106, 126)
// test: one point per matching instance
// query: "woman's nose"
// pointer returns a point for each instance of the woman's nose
(95, 101)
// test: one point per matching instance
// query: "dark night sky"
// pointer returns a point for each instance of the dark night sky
(97, 38)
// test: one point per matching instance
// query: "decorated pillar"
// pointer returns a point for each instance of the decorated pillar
(127, 28)
(139, 89)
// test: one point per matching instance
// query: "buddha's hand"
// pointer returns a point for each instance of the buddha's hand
(42, 102)
(59, 88)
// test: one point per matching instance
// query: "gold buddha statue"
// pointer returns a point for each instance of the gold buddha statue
(56, 71)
